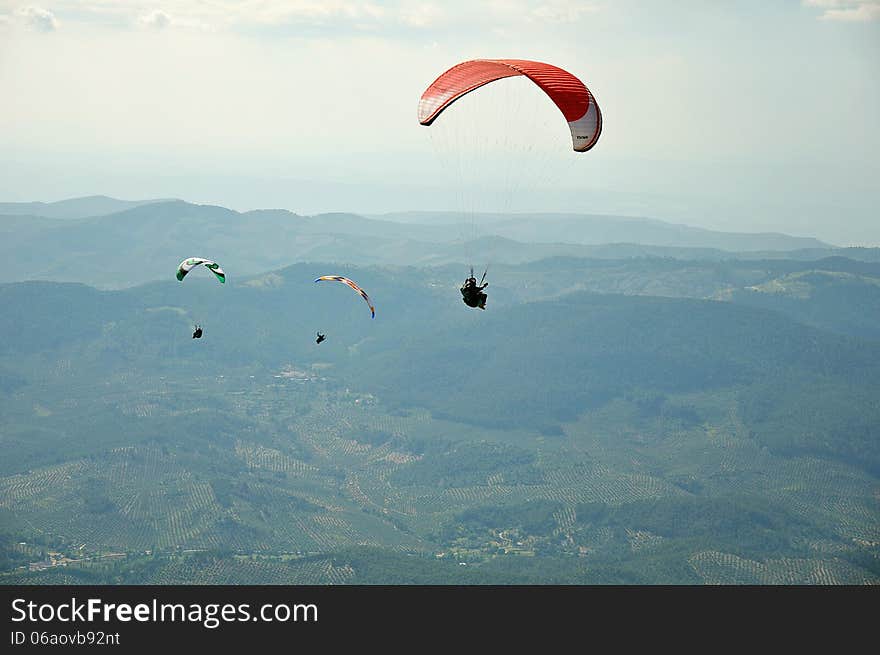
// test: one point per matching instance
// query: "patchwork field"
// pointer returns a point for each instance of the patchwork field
(299, 473)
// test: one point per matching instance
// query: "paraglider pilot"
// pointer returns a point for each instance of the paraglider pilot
(472, 293)
(197, 334)
(320, 338)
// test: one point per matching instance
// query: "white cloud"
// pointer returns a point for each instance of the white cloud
(853, 11)
(287, 13)
(562, 11)
(375, 16)
(156, 19)
(421, 15)
(37, 18)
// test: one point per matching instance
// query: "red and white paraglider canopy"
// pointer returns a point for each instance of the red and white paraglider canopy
(572, 97)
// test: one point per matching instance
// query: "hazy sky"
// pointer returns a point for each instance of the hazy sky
(747, 115)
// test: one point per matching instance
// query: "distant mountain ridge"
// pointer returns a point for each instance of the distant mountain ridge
(85, 207)
(585, 229)
(596, 229)
(146, 239)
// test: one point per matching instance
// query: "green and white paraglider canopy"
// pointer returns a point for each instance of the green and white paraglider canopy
(191, 262)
